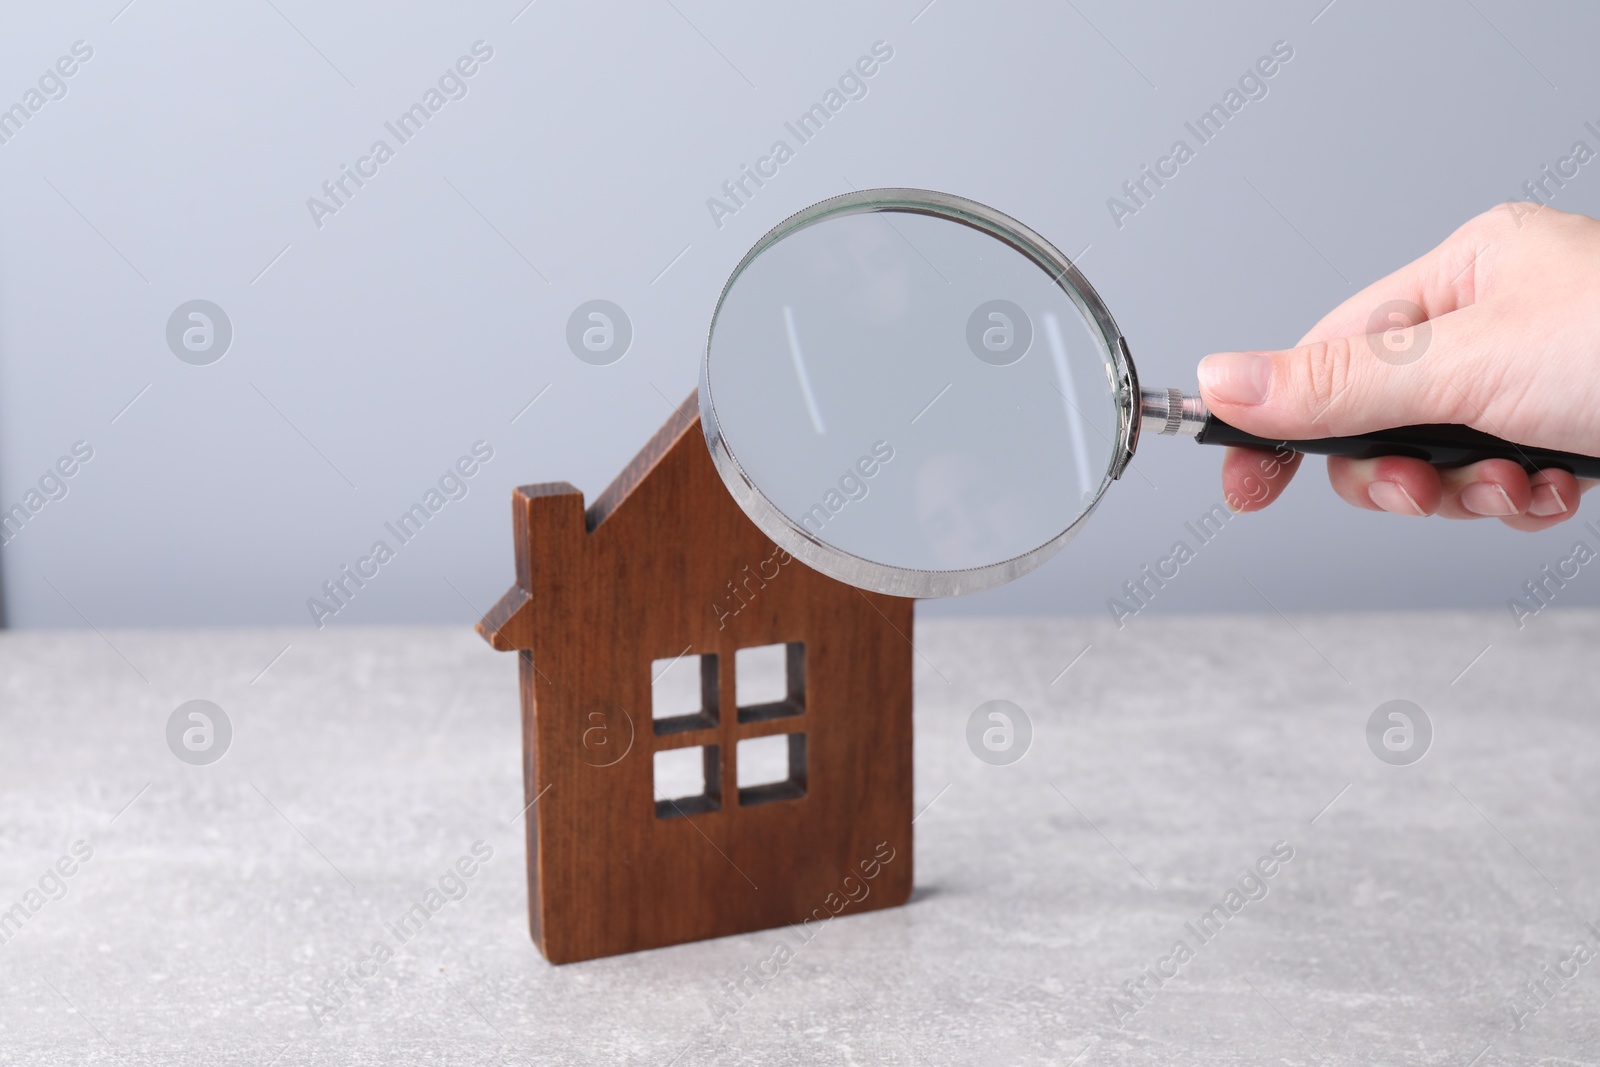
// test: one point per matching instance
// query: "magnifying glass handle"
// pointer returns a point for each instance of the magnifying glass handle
(1171, 412)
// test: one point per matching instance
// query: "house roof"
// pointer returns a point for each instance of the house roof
(684, 420)
(507, 625)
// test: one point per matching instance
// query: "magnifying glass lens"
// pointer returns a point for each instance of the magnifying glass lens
(910, 401)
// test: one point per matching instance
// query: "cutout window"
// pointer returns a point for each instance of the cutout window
(770, 681)
(687, 781)
(683, 693)
(771, 768)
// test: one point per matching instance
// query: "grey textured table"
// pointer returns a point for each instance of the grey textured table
(1419, 902)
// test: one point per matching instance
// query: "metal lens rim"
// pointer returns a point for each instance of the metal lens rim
(884, 577)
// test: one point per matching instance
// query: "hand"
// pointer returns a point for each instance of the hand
(1498, 329)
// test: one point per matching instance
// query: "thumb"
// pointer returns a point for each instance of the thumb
(1340, 386)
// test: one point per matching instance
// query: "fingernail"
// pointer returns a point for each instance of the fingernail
(1237, 377)
(1487, 498)
(1393, 498)
(1547, 501)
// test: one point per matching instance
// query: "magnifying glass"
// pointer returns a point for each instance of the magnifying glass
(917, 394)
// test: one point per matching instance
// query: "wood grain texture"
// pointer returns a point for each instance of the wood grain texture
(663, 563)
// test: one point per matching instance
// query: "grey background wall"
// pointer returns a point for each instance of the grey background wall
(374, 345)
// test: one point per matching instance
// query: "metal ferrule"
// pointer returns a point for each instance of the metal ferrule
(1171, 412)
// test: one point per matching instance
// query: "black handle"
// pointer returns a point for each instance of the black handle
(1440, 444)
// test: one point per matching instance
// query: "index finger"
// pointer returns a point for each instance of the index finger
(1436, 283)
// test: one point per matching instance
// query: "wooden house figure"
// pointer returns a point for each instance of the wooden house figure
(663, 566)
